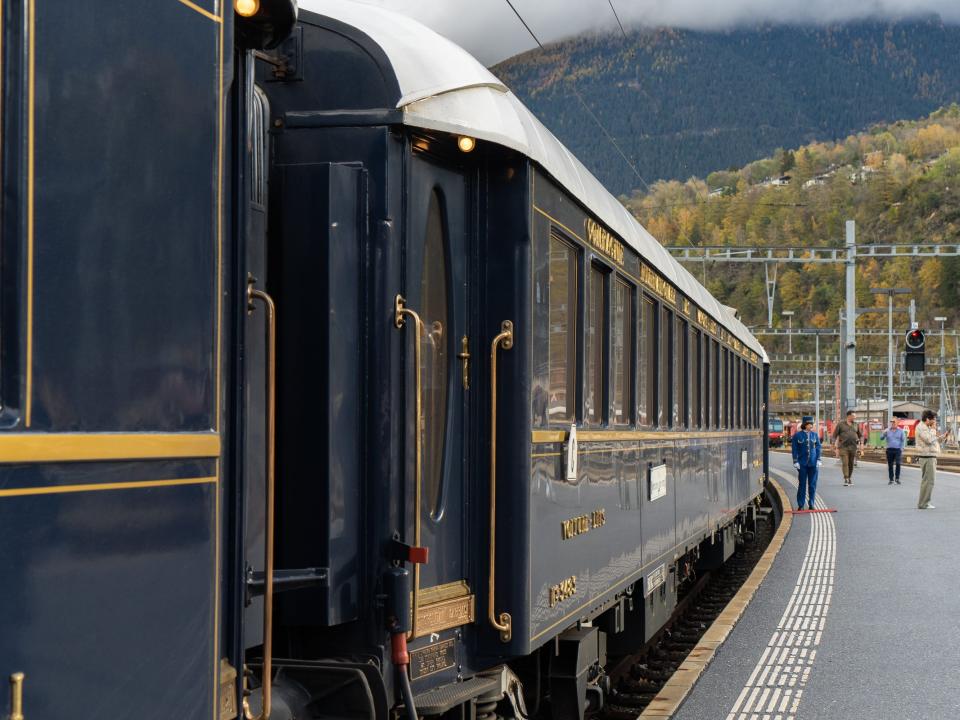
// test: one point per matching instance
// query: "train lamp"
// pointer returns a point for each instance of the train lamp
(263, 24)
(466, 143)
(788, 314)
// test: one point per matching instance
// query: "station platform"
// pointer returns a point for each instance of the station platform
(858, 615)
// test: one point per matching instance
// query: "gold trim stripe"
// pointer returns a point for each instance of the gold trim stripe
(552, 219)
(559, 436)
(94, 487)
(70, 447)
(205, 13)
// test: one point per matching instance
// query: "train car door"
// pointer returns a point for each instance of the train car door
(439, 239)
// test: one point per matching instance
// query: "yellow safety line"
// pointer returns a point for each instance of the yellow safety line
(205, 13)
(94, 487)
(669, 699)
(81, 447)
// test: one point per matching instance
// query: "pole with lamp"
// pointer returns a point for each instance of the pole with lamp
(788, 314)
(890, 292)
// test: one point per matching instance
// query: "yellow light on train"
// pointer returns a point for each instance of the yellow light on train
(246, 8)
(466, 143)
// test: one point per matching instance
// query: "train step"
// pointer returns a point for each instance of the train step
(441, 699)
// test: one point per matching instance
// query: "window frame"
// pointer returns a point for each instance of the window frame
(650, 354)
(627, 325)
(573, 339)
(596, 270)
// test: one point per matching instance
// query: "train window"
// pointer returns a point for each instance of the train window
(564, 271)
(707, 385)
(696, 379)
(742, 396)
(681, 407)
(648, 363)
(434, 354)
(665, 391)
(596, 343)
(726, 389)
(757, 395)
(621, 351)
(737, 405)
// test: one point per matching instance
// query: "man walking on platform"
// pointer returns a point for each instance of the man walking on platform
(895, 439)
(805, 448)
(928, 447)
(848, 440)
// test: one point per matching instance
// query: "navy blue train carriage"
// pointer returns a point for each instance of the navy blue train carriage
(332, 384)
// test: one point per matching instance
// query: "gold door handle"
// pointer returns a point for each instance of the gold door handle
(503, 623)
(16, 696)
(266, 689)
(400, 314)
(464, 356)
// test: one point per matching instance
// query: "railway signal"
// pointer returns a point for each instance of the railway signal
(916, 349)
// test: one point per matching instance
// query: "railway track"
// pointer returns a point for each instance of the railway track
(637, 679)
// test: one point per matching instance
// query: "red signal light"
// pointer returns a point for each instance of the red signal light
(915, 340)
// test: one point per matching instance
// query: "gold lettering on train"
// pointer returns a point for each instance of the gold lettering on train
(708, 322)
(603, 240)
(582, 524)
(656, 283)
(563, 590)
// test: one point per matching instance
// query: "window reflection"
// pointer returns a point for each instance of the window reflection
(665, 410)
(621, 351)
(435, 352)
(648, 368)
(563, 331)
(680, 408)
(595, 343)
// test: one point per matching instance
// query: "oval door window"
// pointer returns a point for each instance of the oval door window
(436, 353)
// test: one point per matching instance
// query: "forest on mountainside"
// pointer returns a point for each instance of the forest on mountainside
(680, 103)
(900, 182)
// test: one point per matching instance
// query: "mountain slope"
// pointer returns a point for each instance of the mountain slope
(682, 103)
(901, 184)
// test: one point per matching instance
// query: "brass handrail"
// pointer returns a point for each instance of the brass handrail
(266, 689)
(505, 340)
(399, 311)
(16, 696)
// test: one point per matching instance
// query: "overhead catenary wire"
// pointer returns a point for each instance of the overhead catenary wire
(573, 87)
(618, 19)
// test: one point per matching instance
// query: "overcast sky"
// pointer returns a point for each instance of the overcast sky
(490, 30)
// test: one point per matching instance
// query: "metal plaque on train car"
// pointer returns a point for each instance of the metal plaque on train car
(658, 481)
(572, 455)
(654, 580)
(432, 659)
(743, 459)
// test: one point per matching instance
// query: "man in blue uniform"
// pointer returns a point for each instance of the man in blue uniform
(805, 446)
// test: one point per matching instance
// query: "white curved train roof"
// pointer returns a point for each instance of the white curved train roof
(442, 87)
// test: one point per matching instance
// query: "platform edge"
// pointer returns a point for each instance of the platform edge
(672, 695)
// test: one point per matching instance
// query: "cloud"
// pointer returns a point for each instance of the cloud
(492, 32)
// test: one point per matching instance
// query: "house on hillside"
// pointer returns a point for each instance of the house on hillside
(780, 181)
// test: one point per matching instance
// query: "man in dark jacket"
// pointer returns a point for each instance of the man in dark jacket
(848, 440)
(805, 447)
